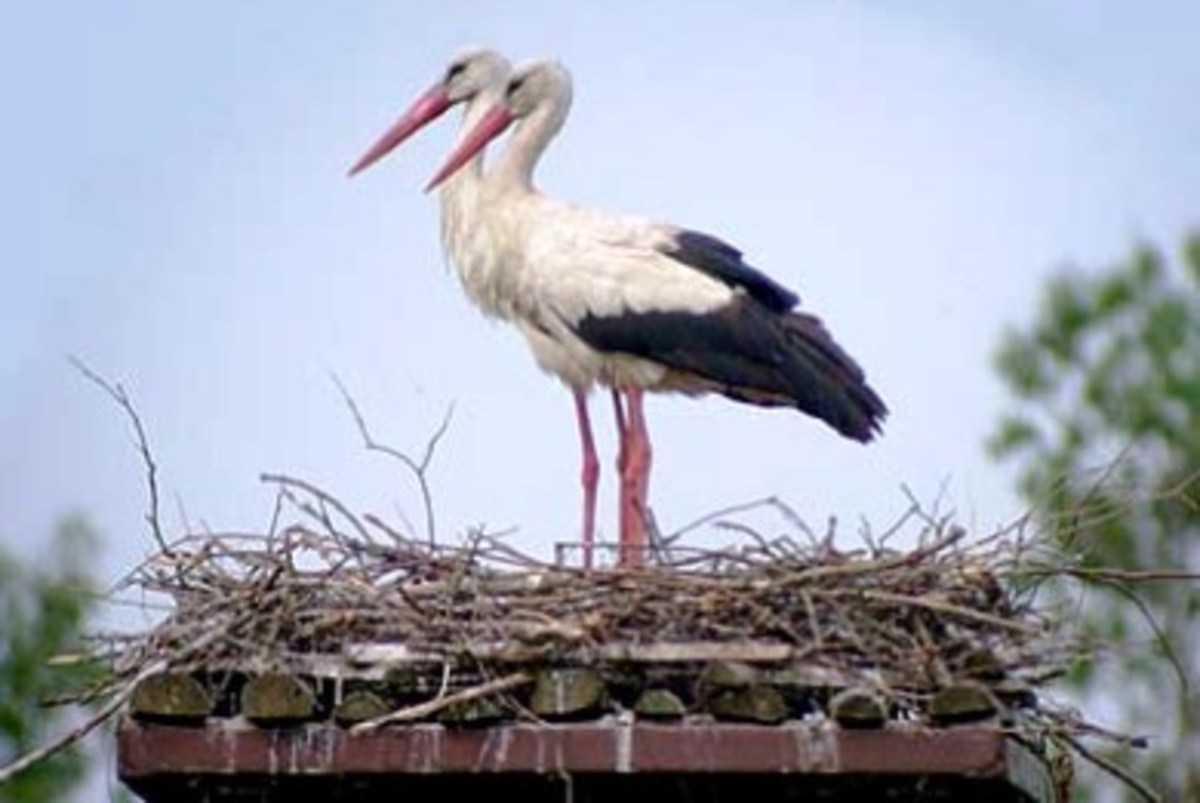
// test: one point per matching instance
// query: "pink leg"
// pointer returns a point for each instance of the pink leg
(590, 475)
(641, 459)
(623, 507)
(635, 481)
(622, 429)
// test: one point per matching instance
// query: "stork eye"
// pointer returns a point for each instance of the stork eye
(515, 85)
(455, 71)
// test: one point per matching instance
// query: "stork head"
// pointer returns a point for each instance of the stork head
(540, 91)
(470, 74)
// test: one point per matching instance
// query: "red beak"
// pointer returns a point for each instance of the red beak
(424, 110)
(494, 123)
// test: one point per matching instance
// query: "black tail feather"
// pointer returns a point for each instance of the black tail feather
(823, 368)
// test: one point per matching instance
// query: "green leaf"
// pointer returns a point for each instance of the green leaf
(1191, 257)
(1014, 433)
(1020, 364)
(1147, 266)
(1165, 328)
(1066, 315)
(42, 611)
(1113, 295)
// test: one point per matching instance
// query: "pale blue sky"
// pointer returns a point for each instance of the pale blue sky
(175, 211)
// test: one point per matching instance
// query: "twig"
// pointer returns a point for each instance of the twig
(708, 518)
(26, 761)
(117, 393)
(1112, 768)
(418, 469)
(1099, 573)
(941, 607)
(1160, 636)
(1092, 491)
(324, 496)
(422, 710)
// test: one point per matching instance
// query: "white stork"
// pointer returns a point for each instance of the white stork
(643, 305)
(477, 78)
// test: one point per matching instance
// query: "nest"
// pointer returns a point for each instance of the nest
(333, 589)
(325, 593)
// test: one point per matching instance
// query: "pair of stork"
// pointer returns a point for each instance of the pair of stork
(626, 303)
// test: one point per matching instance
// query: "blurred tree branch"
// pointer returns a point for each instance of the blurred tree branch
(1104, 427)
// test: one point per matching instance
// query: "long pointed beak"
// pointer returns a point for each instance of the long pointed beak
(494, 123)
(424, 110)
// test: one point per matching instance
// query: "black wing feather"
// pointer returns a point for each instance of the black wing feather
(723, 262)
(750, 353)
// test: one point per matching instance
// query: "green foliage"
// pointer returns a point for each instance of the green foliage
(42, 611)
(1105, 430)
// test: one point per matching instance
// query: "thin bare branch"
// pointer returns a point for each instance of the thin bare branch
(1114, 769)
(117, 393)
(419, 469)
(323, 497)
(422, 710)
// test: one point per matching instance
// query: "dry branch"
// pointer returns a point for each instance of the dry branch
(24, 762)
(422, 710)
(317, 587)
(117, 393)
(418, 468)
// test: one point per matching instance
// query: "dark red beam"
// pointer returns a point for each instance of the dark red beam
(158, 751)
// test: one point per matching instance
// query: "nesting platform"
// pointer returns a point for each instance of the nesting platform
(689, 721)
(335, 657)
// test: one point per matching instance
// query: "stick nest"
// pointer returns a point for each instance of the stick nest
(324, 587)
(906, 622)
